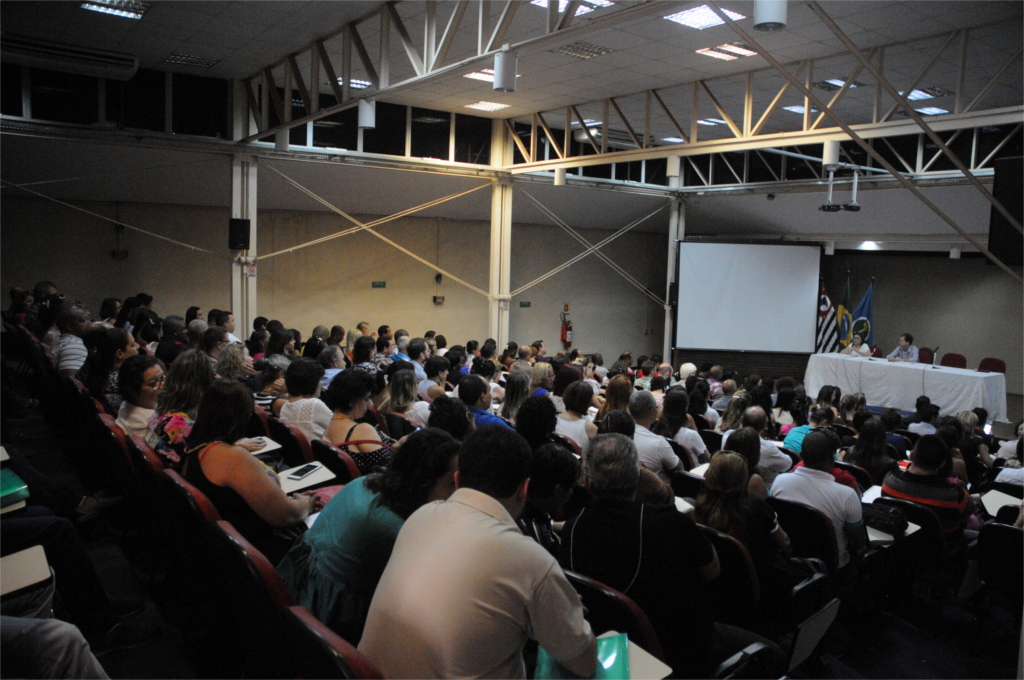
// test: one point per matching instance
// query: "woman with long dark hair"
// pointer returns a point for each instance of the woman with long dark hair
(870, 452)
(113, 346)
(178, 403)
(244, 490)
(333, 569)
(517, 390)
(672, 424)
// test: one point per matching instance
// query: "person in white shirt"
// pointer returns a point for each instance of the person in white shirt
(69, 352)
(226, 320)
(304, 409)
(930, 419)
(813, 485)
(772, 461)
(333, 361)
(857, 348)
(655, 452)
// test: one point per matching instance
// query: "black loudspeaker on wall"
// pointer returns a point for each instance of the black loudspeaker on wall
(238, 234)
(1004, 241)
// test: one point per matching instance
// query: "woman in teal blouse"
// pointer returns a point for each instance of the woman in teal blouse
(334, 568)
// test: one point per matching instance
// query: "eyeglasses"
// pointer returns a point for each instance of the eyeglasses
(156, 382)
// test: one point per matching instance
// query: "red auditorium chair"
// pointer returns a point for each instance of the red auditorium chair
(953, 360)
(925, 355)
(993, 365)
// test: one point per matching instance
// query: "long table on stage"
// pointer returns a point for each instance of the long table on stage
(898, 384)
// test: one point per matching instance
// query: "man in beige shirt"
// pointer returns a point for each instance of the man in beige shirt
(464, 588)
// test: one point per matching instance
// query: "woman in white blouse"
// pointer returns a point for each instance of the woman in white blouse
(857, 348)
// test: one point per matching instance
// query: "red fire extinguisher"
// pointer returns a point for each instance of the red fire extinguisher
(566, 328)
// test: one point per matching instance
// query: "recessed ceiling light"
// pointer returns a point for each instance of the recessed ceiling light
(916, 95)
(706, 122)
(702, 17)
(583, 50)
(485, 74)
(673, 140)
(189, 60)
(129, 9)
(487, 106)
(868, 245)
(932, 111)
(833, 84)
(798, 109)
(582, 9)
(356, 83)
(742, 49)
(711, 52)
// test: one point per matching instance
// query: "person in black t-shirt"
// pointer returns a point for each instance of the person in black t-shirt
(656, 556)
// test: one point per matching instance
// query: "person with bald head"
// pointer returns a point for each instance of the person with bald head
(772, 461)
(654, 450)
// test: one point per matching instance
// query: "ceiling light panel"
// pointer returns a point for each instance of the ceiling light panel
(711, 52)
(673, 140)
(798, 109)
(487, 106)
(189, 60)
(583, 50)
(129, 9)
(702, 17)
(356, 83)
(932, 111)
(562, 4)
(739, 49)
(916, 95)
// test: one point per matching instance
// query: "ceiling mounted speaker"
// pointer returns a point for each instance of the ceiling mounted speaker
(769, 15)
(367, 114)
(830, 156)
(505, 63)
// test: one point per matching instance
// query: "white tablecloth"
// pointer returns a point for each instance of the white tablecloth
(899, 384)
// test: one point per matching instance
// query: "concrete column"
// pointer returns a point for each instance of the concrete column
(243, 206)
(676, 230)
(499, 282)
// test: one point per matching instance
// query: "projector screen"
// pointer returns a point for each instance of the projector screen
(760, 298)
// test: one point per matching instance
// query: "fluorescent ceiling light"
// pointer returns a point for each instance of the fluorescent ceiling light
(356, 83)
(485, 74)
(797, 109)
(932, 111)
(916, 95)
(741, 49)
(129, 9)
(702, 17)
(719, 121)
(868, 245)
(189, 60)
(430, 119)
(673, 140)
(487, 106)
(582, 9)
(582, 50)
(705, 122)
(710, 52)
(589, 122)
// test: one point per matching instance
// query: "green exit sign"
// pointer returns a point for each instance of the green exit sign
(379, 284)
(524, 304)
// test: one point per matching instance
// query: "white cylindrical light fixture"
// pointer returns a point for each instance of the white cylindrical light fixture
(954, 253)
(830, 247)
(830, 155)
(367, 114)
(769, 15)
(559, 177)
(505, 63)
(674, 166)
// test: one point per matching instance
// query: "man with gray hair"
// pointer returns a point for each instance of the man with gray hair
(656, 556)
(654, 450)
(332, 358)
(773, 461)
(194, 331)
(174, 340)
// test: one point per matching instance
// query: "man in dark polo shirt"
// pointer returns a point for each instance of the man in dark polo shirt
(922, 483)
(656, 556)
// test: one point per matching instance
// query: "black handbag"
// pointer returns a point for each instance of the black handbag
(889, 520)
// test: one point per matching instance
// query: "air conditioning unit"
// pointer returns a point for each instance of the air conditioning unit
(85, 61)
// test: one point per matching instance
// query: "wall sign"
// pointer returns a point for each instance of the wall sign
(379, 284)
(524, 303)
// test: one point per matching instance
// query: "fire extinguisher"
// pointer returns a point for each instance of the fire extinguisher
(566, 328)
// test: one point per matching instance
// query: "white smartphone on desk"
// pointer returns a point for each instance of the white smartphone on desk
(305, 471)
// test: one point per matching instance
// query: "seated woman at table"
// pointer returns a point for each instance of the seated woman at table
(870, 451)
(726, 506)
(857, 348)
(349, 397)
(334, 568)
(245, 491)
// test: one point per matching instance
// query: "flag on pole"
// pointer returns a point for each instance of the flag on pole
(862, 318)
(826, 338)
(843, 317)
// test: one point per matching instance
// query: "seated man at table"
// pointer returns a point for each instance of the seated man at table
(813, 485)
(656, 556)
(773, 461)
(929, 421)
(923, 483)
(464, 588)
(820, 417)
(905, 351)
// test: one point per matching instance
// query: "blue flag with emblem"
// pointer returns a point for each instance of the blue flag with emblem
(862, 318)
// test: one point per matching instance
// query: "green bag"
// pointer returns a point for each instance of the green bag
(612, 661)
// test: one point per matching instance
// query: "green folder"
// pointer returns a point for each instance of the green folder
(12, 489)
(612, 661)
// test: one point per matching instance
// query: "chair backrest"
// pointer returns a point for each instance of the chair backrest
(255, 595)
(295, 448)
(810, 531)
(1014, 490)
(686, 484)
(843, 430)
(925, 355)
(992, 364)
(736, 593)
(191, 498)
(750, 662)
(113, 447)
(811, 631)
(568, 443)
(929, 548)
(702, 423)
(184, 513)
(712, 440)
(682, 452)
(1001, 559)
(953, 360)
(876, 352)
(335, 460)
(318, 652)
(144, 458)
(911, 437)
(258, 423)
(608, 609)
(862, 476)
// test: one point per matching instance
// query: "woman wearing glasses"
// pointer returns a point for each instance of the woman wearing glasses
(139, 380)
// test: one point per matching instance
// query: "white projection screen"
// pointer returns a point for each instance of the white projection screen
(761, 298)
